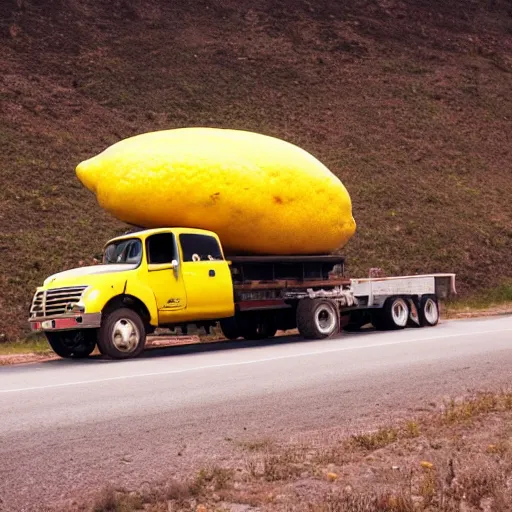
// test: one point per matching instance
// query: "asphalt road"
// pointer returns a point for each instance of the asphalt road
(68, 426)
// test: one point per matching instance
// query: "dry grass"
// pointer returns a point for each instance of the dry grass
(467, 410)
(257, 445)
(458, 458)
(117, 500)
(212, 478)
(392, 96)
(384, 436)
(374, 440)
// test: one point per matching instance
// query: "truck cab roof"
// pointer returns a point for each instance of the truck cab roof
(144, 233)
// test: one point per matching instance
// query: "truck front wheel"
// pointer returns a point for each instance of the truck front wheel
(317, 318)
(73, 344)
(122, 334)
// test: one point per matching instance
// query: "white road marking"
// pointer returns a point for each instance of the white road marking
(253, 361)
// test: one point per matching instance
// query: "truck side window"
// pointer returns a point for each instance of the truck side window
(161, 248)
(200, 248)
(134, 252)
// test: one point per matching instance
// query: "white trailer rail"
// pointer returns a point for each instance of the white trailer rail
(373, 292)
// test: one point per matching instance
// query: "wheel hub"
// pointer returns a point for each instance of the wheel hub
(125, 335)
(325, 320)
(400, 313)
(431, 311)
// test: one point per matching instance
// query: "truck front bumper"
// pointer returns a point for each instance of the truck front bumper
(66, 322)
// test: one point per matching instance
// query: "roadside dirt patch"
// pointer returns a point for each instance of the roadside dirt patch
(10, 359)
(458, 457)
(158, 341)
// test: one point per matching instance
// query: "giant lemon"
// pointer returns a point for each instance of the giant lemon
(258, 193)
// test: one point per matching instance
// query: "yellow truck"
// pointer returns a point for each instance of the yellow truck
(177, 277)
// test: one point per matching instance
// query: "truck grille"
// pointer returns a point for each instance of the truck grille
(55, 302)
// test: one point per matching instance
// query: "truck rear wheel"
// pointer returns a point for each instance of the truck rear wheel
(258, 326)
(356, 320)
(393, 315)
(317, 318)
(122, 334)
(73, 344)
(428, 311)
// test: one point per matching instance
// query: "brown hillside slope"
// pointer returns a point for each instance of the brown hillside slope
(409, 102)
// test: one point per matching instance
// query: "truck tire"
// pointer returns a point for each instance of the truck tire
(258, 327)
(122, 334)
(428, 311)
(394, 315)
(356, 320)
(73, 344)
(230, 328)
(317, 318)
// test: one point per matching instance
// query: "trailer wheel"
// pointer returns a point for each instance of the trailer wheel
(393, 315)
(230, 328)
(258, 327)
(428, 311)
(73, 344)
(317, 318)
(122, 334)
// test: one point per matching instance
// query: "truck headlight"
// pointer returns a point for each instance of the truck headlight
(75, 307)
(92, 295)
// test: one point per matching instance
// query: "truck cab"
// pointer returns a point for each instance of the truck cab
(156, 277)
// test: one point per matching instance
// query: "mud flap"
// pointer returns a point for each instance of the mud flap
(414, 319)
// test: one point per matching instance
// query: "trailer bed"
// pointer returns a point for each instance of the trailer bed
(372, 292)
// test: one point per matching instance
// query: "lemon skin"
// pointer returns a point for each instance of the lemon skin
(260, 194)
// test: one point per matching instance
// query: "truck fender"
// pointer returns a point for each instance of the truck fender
(125, 300)
(145, 295)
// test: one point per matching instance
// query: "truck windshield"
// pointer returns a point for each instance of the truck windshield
(125, 251)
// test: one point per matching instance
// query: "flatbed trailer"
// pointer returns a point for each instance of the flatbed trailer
(280, 293)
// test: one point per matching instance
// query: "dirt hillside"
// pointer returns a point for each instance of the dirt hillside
(409, 102)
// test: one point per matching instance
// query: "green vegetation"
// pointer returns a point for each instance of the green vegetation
(34, 346)
(486, 298)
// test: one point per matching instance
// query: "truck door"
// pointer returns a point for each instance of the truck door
(207, 278)
(165, 279)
